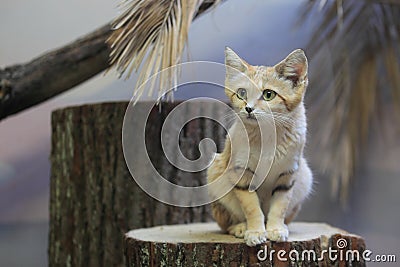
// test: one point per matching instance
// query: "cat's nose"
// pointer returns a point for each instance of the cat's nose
(249, 109)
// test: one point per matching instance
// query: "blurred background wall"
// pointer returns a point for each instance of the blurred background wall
(262, 32)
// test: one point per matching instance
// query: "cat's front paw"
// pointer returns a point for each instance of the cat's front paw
(238, 230)
(253, 238)
(278, 233)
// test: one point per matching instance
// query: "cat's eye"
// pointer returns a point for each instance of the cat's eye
(242, 93)
(268, 94)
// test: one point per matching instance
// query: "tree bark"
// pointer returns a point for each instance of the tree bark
(203, 245)
(93, 198)
(25, 85)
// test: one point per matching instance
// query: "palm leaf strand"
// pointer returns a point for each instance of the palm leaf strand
(151, 35)
(362, 42)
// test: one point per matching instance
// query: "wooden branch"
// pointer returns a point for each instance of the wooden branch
(25, 85)
(203, 244)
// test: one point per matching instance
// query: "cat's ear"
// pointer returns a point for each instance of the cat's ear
(294, 67)
(234, 61)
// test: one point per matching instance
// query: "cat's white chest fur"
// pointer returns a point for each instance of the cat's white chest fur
(264, 151)
(254, 152)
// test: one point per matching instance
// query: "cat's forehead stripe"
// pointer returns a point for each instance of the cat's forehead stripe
(259, 76)
(260, 72)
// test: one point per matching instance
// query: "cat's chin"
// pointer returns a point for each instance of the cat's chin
(249, 119)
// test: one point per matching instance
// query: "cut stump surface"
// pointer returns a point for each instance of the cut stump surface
(203, 244)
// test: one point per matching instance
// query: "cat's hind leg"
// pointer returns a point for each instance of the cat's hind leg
(222, 216)
(238, 230)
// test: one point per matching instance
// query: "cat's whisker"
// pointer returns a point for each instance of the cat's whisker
(230, 117)
(285, 122)
(279, 120)
(285, 118)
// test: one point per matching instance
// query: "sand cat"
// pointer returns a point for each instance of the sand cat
(257, 94)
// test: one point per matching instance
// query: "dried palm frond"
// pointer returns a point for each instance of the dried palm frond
(152, 34)
(361, 39)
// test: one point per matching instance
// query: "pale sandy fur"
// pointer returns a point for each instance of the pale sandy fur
(257, 216)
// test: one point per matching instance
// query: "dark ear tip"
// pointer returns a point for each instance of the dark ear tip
(299, 54)
(299, 51)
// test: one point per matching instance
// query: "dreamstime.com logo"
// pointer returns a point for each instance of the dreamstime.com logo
(134, 136)
(340, 254)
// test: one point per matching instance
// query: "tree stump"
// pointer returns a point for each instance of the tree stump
(202, 244)
(93, 199)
